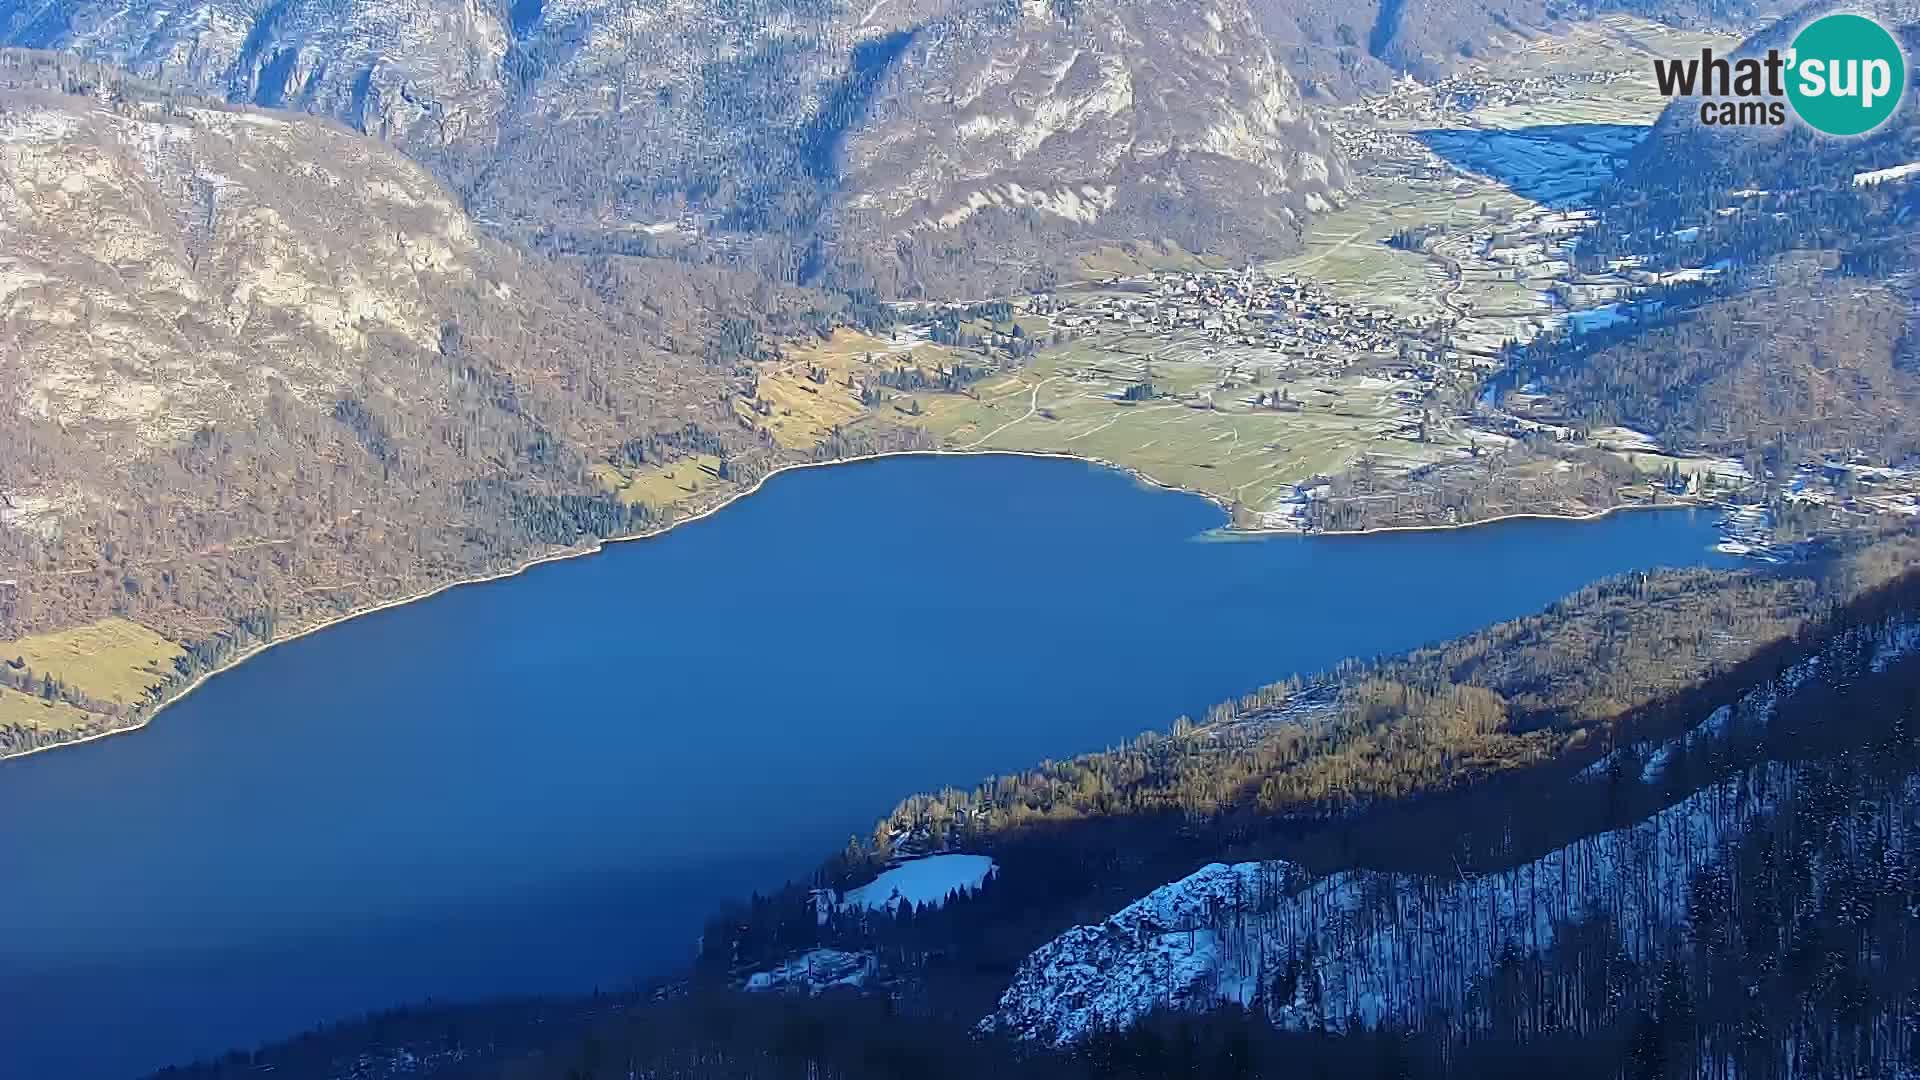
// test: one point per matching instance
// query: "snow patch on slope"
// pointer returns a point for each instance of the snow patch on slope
(1881, 176)
(1362, 944)
(1084, 204)
(921, 882)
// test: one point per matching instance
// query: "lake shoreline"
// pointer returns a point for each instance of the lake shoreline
(601, 544)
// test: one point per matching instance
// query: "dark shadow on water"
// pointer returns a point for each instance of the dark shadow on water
(1556, 164)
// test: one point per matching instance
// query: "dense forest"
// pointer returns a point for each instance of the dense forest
(1809, 361)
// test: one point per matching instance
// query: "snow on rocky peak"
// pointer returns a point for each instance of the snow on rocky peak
(1372, 946)
(1163, 949)
(1395, 948)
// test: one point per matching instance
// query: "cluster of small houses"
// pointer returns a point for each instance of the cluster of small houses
(1851, 487)
(1851, 494)
(1251, 309)
(1411, 100)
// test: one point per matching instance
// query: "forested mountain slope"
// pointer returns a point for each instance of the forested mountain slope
(1455, 757)
(1796, 337)
(1803, 359)
(1498, 951)
(256, 370)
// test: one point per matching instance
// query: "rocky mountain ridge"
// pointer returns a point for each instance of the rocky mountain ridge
(811, 120)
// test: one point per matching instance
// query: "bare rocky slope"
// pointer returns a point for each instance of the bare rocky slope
(901, 146)
(623, 123)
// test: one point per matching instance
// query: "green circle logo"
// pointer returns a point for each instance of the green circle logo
(1847, 74)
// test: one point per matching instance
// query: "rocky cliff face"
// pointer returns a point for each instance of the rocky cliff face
(1098, 119)
(417, 72)
(167, 263)
(1109, 118)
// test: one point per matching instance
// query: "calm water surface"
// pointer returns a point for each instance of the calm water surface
(544, 783)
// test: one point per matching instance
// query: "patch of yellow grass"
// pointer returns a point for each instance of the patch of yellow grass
(845, 346)
(800, 412)
(113, 660)
(28, 710)
(661, 485)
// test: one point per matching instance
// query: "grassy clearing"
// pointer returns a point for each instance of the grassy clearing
(802, 412)
(799, 412)
(27, 710)
(1203, 433)
(111, 660)
(661, 485)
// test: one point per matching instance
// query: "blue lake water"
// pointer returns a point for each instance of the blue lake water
(544, 783)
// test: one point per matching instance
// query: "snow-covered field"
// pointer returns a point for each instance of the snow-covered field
(924, 882)
(1882, 176)
(1600, 318)
(921, 882)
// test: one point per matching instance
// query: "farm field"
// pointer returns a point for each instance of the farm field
(1202, 431)
(1348, 255)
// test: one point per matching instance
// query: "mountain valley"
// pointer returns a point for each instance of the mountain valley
(314, 308)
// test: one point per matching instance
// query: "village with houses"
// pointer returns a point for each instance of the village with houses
(1258, 386)
(1382, 348)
